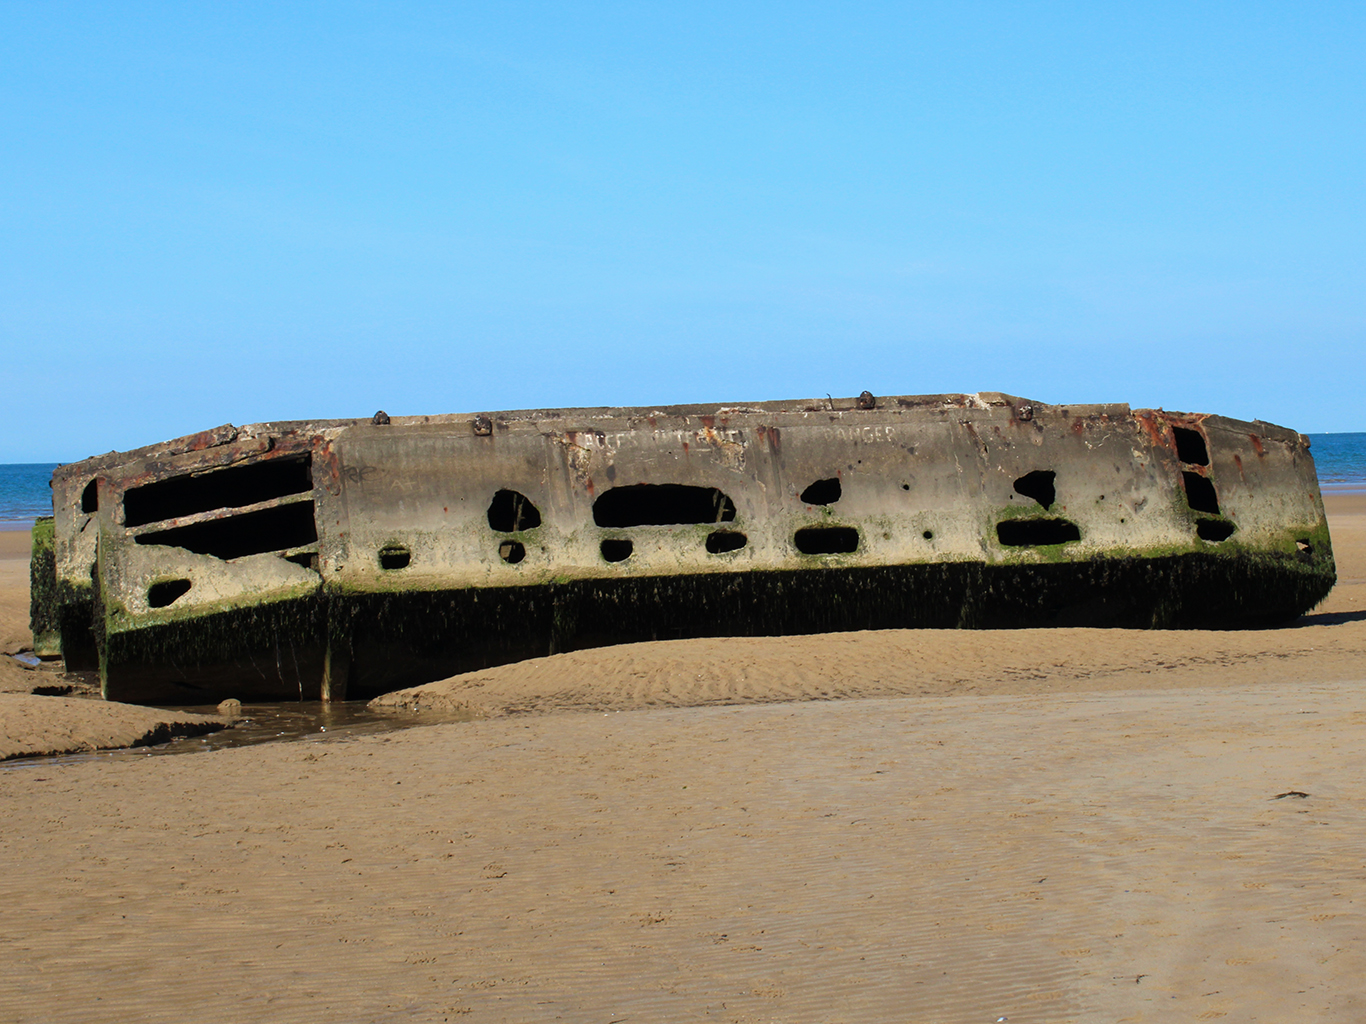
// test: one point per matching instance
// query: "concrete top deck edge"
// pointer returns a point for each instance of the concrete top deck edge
(985, 400)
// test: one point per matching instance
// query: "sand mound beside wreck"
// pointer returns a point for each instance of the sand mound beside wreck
(896, 663)
(1328, 645)
(32, 726)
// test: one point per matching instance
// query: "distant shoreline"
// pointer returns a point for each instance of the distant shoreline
(1336, 487)
(25, 488)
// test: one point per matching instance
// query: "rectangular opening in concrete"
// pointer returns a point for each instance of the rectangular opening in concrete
(1190, 446)
(661, 505)
(1200, 493)
(270, 529)
(826, 540)
(1033, 533)
(234, 487)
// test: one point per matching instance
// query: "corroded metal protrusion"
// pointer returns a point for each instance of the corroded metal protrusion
(336, 672)
(327, 559)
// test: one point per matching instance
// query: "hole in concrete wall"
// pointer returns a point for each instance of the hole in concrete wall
(511, 511)
(725, 540)
(1039, 486)
(90, 498)
(394, 556)
(1190, 446)
(1214, 529)
(223, 488)
(511, 551)
(826, 540)
(1200, 493)
(304, 559)
(167, 592)
(905, 487)
(928, 535)
(1304, 547)
(661, 505)
(616, 550)
(270, 529)
(823, 492)
(1030, 533)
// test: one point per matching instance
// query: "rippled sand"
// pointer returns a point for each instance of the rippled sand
(1118, 854)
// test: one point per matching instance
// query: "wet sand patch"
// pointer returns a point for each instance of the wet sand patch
(1116, 856)
(1045, 856)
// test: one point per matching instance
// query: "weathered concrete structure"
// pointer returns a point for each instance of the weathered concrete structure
(350, 557)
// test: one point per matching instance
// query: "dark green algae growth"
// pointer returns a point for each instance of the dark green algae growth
(399, 639)
(402, 638)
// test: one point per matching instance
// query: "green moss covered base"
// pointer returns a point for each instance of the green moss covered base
(401, 639)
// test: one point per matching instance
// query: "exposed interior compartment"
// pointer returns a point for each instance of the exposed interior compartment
(661, 505)
(269, 529)
(233, 487)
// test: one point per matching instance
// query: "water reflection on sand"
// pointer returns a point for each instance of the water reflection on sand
(294, 721)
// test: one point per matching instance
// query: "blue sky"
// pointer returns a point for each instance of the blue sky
(241, 212)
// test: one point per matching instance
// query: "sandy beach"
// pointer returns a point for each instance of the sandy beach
(1033, 825)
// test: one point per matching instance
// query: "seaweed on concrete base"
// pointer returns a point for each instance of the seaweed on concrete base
(406, 638)
(45, 608)
(223, 635)
(260, 652)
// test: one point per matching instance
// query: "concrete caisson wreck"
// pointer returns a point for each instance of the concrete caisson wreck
(345, 558)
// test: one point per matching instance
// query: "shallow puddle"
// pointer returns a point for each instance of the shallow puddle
(308, 721)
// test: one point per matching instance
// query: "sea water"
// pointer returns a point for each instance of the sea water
(1340, 460)
(25, 492)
